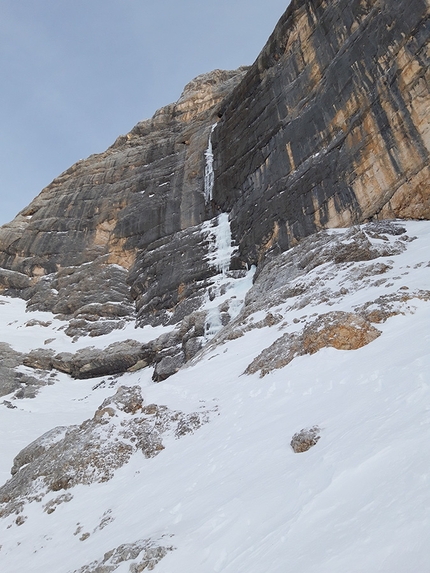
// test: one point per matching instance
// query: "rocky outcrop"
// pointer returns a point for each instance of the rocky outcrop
(12, 379)
(144, 554)
(94, 450)
(330, 125)
(167, 353)
(340, 330)
(13, 283)
(312, 282)
(93, 362)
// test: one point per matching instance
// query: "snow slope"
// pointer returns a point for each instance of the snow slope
(233, 496)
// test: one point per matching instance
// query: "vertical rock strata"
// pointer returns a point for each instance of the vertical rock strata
(98, 218)
(330, 126)
(147, 185)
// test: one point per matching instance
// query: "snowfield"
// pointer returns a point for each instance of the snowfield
(232, 496)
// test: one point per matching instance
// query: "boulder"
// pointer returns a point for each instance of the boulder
(305, 439)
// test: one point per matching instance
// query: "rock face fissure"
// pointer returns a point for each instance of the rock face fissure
(329, 127)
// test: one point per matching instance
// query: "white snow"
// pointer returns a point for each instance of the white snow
(234, 497)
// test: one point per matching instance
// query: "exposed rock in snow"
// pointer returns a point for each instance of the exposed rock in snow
(94, 450)
(280, 274)
(340, 330)
(144, 554)
(37, 448)
(12, 379)
(93, 362)
(305, 439)
(13, 282)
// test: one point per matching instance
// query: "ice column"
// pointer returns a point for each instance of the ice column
(220, 249)
(223, 248)
(209, 168)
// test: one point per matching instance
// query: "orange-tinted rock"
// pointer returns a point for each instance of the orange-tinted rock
(331, 124)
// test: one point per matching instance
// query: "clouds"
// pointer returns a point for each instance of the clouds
(77, 74)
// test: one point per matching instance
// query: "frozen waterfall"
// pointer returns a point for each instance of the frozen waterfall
(220, 249)
(209, 169)
(227, 292)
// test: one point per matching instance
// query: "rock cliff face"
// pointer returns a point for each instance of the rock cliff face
(328, 128)
(79, 238)
(183, 227)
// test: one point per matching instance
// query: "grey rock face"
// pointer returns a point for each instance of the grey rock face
(89, 226)
(167, 366)
(330, 125)
(96, 288)
(171, 277)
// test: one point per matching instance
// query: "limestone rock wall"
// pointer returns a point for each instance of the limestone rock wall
(330, 126)
(147, 185)
(105, 211)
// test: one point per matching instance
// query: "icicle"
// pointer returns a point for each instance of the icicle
(209, 170)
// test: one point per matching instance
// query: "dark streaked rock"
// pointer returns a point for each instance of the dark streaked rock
(330, 125)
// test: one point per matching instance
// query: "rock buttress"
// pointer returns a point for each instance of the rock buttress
(330, 126)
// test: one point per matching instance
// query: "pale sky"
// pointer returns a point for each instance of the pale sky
(75, 74)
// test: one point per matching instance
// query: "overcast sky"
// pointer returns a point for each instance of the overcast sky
(75, 74)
